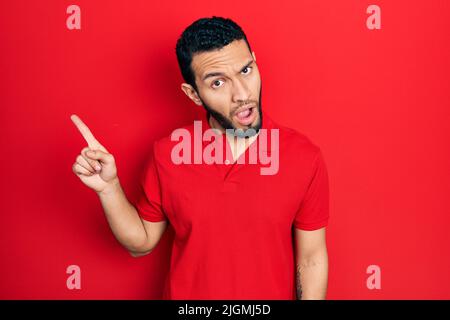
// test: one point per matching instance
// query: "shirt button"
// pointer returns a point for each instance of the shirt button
(227, 161)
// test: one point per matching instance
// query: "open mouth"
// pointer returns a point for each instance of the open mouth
(246, 117)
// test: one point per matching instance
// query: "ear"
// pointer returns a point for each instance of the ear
(254, 56)
(191, 93)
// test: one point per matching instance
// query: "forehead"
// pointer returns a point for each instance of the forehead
(228, 58)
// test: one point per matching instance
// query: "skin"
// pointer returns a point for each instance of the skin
(137, 235)
(311, 264)
(225, 94)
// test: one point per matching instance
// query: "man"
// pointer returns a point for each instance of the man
(239, 234)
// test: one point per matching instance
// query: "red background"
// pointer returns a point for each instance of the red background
(376, 102)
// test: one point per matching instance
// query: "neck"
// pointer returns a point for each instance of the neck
(215, 124)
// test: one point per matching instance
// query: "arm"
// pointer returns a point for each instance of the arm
(96, 168)
(137, 235)
(311, 262)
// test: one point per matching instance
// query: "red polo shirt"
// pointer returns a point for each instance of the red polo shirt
(234, 226)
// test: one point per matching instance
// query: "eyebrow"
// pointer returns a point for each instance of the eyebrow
(214, 74)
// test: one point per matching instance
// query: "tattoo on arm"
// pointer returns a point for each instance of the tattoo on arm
(299, 285)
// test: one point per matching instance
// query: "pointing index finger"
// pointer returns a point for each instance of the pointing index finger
(86, 133)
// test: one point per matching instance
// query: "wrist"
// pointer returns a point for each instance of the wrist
(111, 187)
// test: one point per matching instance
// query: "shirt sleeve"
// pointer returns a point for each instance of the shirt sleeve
(148, 204)
(314, 210)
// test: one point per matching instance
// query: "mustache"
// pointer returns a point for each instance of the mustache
(249, 103)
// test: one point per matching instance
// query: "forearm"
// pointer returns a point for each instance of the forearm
(123, 218)
(312, 277)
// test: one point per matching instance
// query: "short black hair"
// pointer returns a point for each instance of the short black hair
(205, 34)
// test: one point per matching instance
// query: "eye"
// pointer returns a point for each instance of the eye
(247, 70)
(216, 83)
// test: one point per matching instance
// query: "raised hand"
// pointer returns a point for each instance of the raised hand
(95, 166)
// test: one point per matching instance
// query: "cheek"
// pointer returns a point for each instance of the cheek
(255, 79)
(256, 85)
(219, 100)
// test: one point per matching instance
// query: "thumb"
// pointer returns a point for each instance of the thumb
(104, 157)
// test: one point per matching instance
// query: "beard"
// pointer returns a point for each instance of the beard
(227, 123)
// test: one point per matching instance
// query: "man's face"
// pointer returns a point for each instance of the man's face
(229, 86)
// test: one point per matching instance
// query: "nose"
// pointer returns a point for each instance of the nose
(240, 91)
